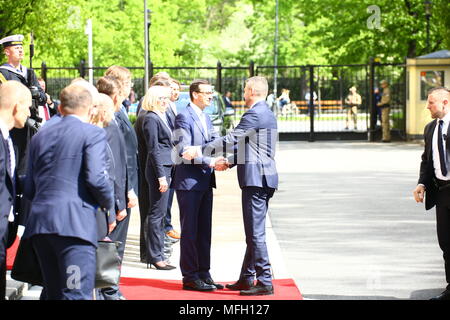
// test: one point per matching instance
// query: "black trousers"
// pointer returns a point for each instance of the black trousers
(2, 280)
(443, 234)
(157, 209)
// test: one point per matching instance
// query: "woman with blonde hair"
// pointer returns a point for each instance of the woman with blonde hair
(159, 144)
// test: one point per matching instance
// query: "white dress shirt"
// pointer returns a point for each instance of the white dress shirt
(201, 115)
(435, 150)
(12, 157)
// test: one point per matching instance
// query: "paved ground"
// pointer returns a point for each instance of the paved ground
(347, 223)
(344, 225)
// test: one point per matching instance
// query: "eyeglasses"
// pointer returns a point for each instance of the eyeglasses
(163, 98)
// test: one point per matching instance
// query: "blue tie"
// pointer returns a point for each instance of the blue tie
(441, 149)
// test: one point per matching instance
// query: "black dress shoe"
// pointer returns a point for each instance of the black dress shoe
(198, 285)
(443, 296)
(211, 282)
(258, 290)
(240, 285)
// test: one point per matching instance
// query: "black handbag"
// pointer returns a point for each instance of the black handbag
(107, 273)
(26, 266)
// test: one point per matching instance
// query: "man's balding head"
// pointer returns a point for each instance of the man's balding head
(76, 99)
(15, 102)
(438, 102)
(92, 89)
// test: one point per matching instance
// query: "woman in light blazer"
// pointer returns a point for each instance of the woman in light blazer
(159, 143)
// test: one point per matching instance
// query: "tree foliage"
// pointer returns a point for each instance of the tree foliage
(200, 32)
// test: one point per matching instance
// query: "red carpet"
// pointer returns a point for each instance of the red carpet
(11, 254)
(156, 289)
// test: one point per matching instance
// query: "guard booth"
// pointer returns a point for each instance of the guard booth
(423, 73)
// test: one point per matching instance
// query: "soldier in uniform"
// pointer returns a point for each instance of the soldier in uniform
(385, 105)
(353, 102)
(14, 70)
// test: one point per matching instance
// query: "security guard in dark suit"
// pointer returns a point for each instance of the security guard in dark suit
(434, 179)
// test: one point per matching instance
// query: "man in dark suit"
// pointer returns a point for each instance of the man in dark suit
(66, 183)
(193, 181)
(434, 179)
(123, 76)
(254, 140)
(172, 236)
(15, 101)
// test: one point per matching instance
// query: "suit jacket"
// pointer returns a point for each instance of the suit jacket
(7, 195)
(159, 145)
(142, 152)
(67, 180)
(426, 166)
(253, 143)
(131, 148)
(195, 174)
(117, 146)
(171, 116)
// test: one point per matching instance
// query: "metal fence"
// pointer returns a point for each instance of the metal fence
(328, 117)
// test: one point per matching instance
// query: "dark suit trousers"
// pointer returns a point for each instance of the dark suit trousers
(143, 211)
(195, 243)
(3, 240)
(120, 233)
(168, 217)
(68, 266)
(443, 234)
(255, 202)
(155, 217)
(2, 280)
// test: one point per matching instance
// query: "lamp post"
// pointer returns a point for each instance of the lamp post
(427, 4)
(147, 24)
(88, 32)
(275, 71)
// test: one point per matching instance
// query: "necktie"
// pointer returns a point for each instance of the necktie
(441, 149)
(47, 114)
(12, 156)
(169, 121)
(203, 121)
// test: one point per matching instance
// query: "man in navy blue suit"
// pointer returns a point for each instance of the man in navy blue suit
(254, 142)
(15, 100)
(66, 183)
(193, 181)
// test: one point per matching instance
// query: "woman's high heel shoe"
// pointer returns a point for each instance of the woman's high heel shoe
(166, 267)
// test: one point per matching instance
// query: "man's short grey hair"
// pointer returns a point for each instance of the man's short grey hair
(439, 90)
(259, 85)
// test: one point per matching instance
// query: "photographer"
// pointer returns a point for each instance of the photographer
(14, 70)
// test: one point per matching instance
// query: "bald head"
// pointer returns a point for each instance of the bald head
(15, 102)
(86, 84)
(76, 99)
(438, 102)
(440, 92)
(12, 92)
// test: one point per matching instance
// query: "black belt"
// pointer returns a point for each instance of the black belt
(441, 184)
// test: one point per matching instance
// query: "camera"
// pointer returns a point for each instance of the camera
(34, 121)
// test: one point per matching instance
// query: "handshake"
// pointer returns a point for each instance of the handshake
(218, 163)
